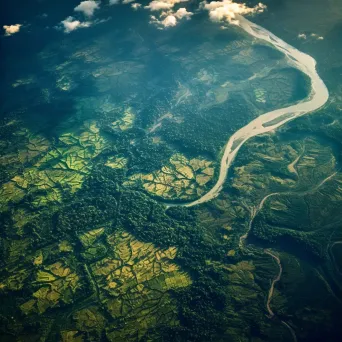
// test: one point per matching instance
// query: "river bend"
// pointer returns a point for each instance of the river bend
(274, 119)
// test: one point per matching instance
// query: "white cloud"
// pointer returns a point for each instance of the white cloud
(183, 13)
(70, 24)
(114, 2)
(224, 10)
(315, 35)
(169, 18)
(135, 6)
(127, 1)
(87, 7)
(159, 5)
(169, 21)
(227, 10)
(11, 29)
(312, 36)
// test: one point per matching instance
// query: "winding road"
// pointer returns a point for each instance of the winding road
(270, 293)
(257, 209)
(333, 257)
(270, 121)
(254, 211)
(274, 281)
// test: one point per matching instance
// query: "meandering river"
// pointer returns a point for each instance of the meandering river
(267, 122)
(272, 120)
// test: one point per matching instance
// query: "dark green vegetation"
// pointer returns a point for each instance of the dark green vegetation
(88, 264)
(98, 132)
